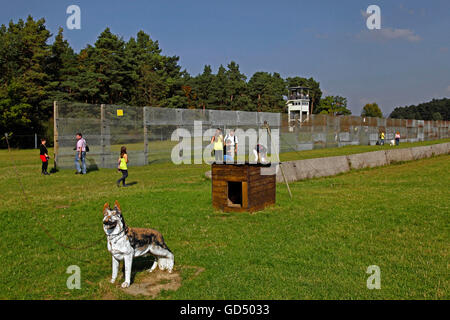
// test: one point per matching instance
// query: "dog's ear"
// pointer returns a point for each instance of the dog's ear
(106, 206)
(117, 206)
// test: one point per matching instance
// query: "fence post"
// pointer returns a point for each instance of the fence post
(102, 134)
(55, 134)
(145, 136)
(35, 140)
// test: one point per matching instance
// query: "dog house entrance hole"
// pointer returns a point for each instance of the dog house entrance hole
(234, 194)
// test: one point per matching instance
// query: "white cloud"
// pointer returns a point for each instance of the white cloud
(390, 34)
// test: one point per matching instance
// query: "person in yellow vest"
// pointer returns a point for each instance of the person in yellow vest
(217, 141)
(382, 138)
(122, 166)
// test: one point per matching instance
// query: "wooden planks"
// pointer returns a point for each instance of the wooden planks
(258, 191)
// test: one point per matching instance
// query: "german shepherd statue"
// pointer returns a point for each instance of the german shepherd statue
(125, 243)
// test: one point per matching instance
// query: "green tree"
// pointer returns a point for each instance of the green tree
(62, 71)
(333, 105)
(235, 86)
(203, 86)
(219, 88)
(266, 92)
(23, 80)
(371, 110)
(436, 116)
(424, 111)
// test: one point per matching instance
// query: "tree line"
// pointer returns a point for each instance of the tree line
(34, 73)
(436, 109)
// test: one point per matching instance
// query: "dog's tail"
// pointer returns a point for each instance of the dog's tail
(164, 256)
(165, 259)
(166, 263)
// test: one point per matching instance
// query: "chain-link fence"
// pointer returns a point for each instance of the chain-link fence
(324, 131)
(149, 133)
(146, 131)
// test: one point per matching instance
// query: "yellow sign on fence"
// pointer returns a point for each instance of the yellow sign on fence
(119, 112)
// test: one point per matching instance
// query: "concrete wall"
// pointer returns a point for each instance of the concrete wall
(313, 168)
(367, 160)
(322, 167)
(330, 166)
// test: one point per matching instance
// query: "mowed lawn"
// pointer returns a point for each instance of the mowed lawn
(316, 246)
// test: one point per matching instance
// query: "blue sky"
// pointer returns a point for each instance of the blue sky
(404, 63)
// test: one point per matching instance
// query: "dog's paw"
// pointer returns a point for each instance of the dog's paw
(113, 280)
(125, 285)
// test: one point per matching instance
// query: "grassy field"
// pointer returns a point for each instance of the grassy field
(315, 246)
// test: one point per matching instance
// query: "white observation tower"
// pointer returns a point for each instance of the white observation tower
(298, 104)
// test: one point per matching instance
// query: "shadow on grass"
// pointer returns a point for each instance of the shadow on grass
(140, 264)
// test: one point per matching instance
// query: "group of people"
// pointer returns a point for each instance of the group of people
(396, 138)
(225, 148)
(80, 155)
(298, 96)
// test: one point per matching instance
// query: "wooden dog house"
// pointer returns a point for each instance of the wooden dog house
(242, 187)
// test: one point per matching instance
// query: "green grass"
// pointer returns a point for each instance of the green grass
(315, 246)
(331, 152)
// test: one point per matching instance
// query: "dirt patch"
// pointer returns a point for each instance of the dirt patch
(153, 283)
(62, 206)
(150, 284)
(108, 296)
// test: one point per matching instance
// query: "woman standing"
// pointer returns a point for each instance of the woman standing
(217, 140)
(44, 157)
(122, 166)
(397, 138)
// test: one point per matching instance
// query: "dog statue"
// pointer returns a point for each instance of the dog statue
(126, 243)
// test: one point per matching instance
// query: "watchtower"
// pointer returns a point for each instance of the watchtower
(298, 104)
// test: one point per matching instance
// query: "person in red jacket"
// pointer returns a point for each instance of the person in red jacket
(44, 157)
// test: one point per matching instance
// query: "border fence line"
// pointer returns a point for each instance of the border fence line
(147, 131)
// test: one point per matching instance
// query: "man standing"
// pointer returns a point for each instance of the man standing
(382, 138)
(80, 155)
(231, 143)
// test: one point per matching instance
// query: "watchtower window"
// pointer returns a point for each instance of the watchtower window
(234, 194)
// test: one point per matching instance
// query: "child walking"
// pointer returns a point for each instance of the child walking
(122, 166)
(44, 157)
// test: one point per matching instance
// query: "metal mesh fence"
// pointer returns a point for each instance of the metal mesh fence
(147, 132)
(324, 131)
